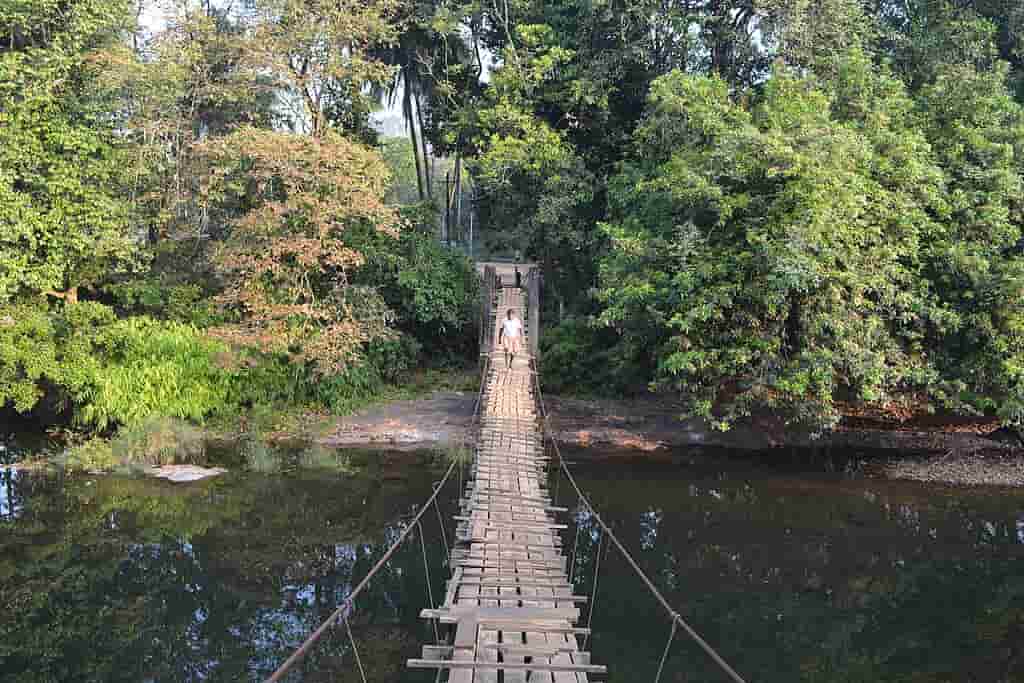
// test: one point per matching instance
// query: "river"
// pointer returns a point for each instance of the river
(794, 571)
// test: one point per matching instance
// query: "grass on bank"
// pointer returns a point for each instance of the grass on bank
(262, 432)
(153, 442)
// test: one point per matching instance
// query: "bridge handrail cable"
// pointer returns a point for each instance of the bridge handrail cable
(342, 611)
(676, 617)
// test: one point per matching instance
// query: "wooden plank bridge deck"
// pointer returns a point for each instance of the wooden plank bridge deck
(509, 598)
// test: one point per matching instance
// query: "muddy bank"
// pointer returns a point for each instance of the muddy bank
(960, 451)
(440, 421)
(992, 468)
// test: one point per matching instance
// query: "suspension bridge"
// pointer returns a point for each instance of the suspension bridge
(508, 613)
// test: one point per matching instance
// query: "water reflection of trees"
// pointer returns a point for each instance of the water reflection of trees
(133, 580)
(810, 580)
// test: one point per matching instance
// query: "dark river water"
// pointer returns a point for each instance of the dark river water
(793, 573)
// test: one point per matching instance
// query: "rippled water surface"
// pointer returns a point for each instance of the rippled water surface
(794, 574)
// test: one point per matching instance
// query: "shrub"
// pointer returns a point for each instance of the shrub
(110, 372)
(576, 357)
(433, 291)
(185, 302)
(153, 442)
(160, 441)
(259, 456)
(394, 357)
(317, 457)
(93, 455)
(346, 391)
(154, 368)
(268, 379)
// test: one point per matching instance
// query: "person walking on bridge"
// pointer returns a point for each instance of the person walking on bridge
(510, 336)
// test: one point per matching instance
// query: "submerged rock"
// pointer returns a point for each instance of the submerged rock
(184, 473)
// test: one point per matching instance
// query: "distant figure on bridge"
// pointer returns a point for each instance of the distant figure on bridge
(519, 279)
(510, 336)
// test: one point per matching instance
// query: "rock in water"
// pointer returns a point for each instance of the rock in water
(184, 473)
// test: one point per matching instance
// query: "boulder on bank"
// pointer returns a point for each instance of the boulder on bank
(184, 473)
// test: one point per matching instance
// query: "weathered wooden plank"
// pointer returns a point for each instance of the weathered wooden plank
(509, 595)
(494, 614)
(506, 666)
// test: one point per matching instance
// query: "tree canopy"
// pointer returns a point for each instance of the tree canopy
(774, 205)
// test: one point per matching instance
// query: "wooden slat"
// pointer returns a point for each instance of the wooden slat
(507, 666)
(509, 595)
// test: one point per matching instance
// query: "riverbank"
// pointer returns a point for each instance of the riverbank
(957, 451)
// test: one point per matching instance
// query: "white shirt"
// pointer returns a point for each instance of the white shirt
(511, 327)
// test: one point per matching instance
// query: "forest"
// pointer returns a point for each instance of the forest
(744, 205)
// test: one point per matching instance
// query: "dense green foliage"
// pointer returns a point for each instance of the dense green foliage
(819, 244)
(173, 243)
(779, 205)
(774, 205)
(109, 371)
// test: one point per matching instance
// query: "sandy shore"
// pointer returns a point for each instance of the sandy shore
(955, 454)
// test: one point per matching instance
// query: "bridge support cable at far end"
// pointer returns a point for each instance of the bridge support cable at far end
(349, 603)
(677, 619)
(430, 588)
(668, 647)
(355, 650)
(593, 592)
(440, 521)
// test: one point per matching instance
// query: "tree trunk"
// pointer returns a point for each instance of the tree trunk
(410, 121)
(423, 144)
(458, 194)
(70, 296)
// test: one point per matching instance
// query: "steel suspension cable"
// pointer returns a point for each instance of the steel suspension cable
(575, 549)
(558, 485)
(355, 650)
(430, 588)
(303, 649)
(593, 592)
(664, 655)
(440, 521)
(673, 614)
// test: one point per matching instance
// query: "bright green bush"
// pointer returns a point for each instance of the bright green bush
(433, 291)
(93, 455)
(110, 372)
(27, 354)
(155, 368)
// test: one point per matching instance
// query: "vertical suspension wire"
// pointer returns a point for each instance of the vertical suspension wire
(430, 589)
(444, 534)
(668, 646)
(355, 650)
(558, 482)
(593, 592)
(687, 628)
(575, 549)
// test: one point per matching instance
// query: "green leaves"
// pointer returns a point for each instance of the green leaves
(783, 273)
(63, 223)
(111, 372)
